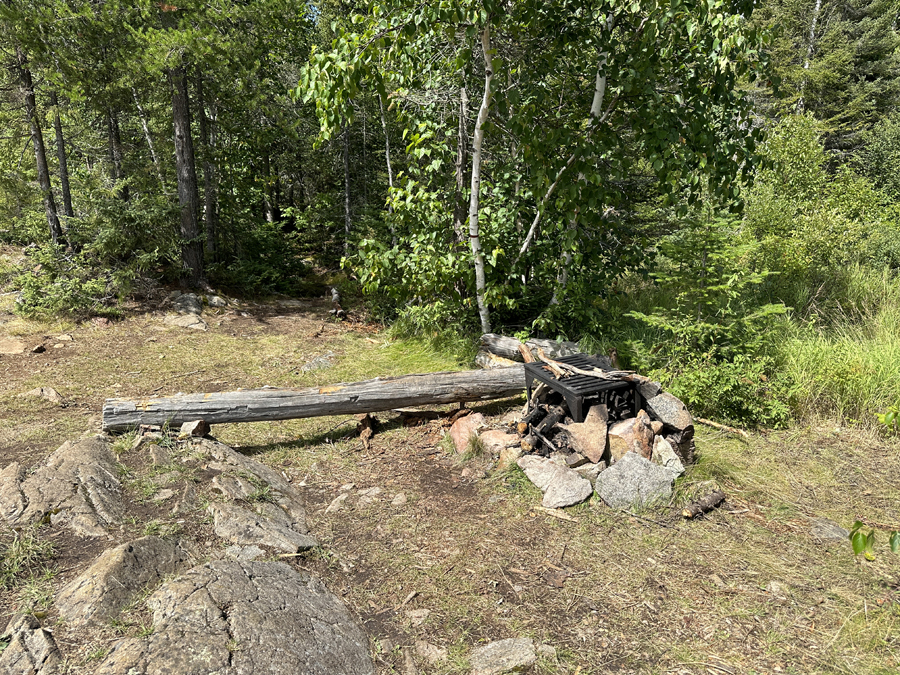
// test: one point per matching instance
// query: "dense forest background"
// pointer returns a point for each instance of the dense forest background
(710, 188)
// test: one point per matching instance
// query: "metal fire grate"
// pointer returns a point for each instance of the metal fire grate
(577, 389)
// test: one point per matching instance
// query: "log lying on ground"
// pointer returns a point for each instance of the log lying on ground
(262, 405)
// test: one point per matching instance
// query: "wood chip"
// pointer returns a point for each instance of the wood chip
(556, 513)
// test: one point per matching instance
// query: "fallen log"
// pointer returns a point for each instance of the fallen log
(263, 405)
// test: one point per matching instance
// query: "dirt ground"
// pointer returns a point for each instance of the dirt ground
(453, 553)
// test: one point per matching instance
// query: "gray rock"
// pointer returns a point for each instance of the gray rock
(234, 618)
(664, 455)
(151, 437)
(319, 363)
(234, 487)
(186, 321)
(561, 486)
(670, 411)
(117, 576)
(78, 484)
(648, 388)
(244, 553)
(216, 301)
(828, 530)
(188, 303)
(47, 393)
(158, 455)
(282, 492)
(31, 649)
(240, 526)
(634, 482)
(188, 502)
(512, 655)
(591, 471)
(12, 501)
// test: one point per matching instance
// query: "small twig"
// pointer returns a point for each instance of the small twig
(649, 520)
(722, 427)
(544, 438)
(556, 513)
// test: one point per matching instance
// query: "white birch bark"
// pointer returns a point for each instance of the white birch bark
(474, 232)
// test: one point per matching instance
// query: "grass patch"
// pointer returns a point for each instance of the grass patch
(23, 555)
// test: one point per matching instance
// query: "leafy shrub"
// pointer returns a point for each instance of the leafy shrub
(716, 348)
(73, 284)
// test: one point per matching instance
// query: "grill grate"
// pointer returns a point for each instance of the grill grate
(576, 388)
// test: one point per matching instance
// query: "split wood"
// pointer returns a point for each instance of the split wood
(704, 505)
(722, 427)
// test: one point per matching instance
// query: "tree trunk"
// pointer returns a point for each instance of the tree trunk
(341, 399)
(115, 152)
(40, 152)
(462, 159)
(149, 139)
(474, 234)
(387, 156)
(210, 180)
(347, 221)
(188, 195)
(62, 158)
(810, 48)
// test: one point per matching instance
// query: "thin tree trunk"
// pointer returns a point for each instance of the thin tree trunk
(347, 222)
(115, 152)
(562, 278)
(149, 139)
(462, 159)
(188, 195)
(268, 199)
(387, 157)
(61, 157)
(809, 52)
(474, 232)
(40, 152)
(210, 181)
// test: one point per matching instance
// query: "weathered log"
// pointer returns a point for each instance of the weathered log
(509, 348)
(261, 405)
(704, 505)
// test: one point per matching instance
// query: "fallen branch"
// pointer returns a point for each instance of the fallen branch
(704, 505)
(722, 427)
(594, 372)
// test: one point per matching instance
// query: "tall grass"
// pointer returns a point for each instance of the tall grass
(847, 365)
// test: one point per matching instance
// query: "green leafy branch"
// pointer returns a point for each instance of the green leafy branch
(862, 538)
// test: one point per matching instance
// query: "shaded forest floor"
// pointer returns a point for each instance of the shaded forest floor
(464, 557)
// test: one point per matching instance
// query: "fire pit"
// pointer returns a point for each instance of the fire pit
(583, 391)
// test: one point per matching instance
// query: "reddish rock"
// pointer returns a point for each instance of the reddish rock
(465, 428)
(632, 435)
(496, 440)
(589, 437)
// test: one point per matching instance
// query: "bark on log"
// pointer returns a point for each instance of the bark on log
(509, 348)
(704, 505)
(261, 405)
